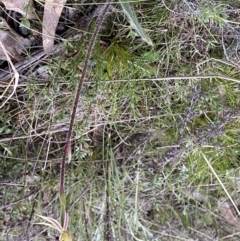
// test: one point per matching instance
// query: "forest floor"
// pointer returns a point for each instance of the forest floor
(155, 149)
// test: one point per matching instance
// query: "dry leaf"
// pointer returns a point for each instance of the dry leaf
(227, 214)
(52, 13)
(12, 42)
(20, 6)
(16, 77)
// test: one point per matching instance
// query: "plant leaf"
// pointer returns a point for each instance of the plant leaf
(227, 214)
(49, 225)
(21, 6)
(12, 42)
(66, 220)
(52, 223)
(132, 18)
(51, 15)
(25, 23)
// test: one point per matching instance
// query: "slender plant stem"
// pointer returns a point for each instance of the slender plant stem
(79, 88)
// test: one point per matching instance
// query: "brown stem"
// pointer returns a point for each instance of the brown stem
(79, 88)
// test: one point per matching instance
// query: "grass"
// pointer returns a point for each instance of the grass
(142, 150)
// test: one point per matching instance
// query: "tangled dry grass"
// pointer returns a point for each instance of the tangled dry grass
(155, 151)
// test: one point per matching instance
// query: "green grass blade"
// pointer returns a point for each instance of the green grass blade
(132, 18)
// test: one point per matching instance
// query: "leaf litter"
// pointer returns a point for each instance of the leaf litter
(12, 42)
(21, 6)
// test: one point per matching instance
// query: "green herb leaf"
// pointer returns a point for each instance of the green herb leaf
(132, 18)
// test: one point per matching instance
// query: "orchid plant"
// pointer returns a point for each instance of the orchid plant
(132, 18)
(53, 223)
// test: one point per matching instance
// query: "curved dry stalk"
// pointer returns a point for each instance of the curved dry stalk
(16, 76)
(67, 148)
